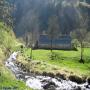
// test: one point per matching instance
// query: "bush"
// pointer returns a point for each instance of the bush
(54, 56)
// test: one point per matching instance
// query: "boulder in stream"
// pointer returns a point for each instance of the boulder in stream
(76, 79)
(49, 86)
(88, 80)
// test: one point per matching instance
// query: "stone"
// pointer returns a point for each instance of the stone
(44, 73)
(51, 75)
(28, 70)
(62, 76)
(88, 80)
(49, 86)
(24, 70)
(38, 63)
(76, 79)
(52, 87)
(37, 73)
(87, 86)
(78, 88)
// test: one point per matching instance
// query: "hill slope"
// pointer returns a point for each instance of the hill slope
(7, 44)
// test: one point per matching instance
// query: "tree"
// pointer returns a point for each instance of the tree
(26, 38)
(53, 29)
(85, 4)
(80, 34)
(6, 12)
(34, 29)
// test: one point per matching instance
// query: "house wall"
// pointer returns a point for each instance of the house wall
(60, 46)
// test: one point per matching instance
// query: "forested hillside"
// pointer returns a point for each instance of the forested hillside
(36, 14)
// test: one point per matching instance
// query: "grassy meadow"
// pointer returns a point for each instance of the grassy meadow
(65, 60)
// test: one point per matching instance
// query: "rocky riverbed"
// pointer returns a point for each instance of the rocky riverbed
(44, 82)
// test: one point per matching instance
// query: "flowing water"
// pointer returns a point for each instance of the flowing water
(37, 82)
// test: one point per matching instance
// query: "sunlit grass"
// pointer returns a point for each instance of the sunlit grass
(68, 60)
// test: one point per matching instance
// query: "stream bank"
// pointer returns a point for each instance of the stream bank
(45, 81)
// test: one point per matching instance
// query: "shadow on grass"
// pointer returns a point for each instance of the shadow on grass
(64, 49)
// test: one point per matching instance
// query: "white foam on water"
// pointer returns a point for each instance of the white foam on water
(34, 83)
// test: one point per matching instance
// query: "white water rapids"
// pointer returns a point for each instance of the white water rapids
(42, 82)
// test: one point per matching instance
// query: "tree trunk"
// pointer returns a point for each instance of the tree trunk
(51, 45)
(26, 41)
(31, 53)
(81, 57)
(31, 46)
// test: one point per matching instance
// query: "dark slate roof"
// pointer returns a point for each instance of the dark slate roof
(44, 39)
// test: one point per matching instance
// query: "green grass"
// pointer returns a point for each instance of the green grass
(7, 79)
(67, 60)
